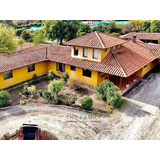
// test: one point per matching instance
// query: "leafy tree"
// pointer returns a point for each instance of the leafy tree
(87, 103)
(4, 97)
(70, 99)
(115, 34)
(137, 24)
(84, 29)
(51, 75)
(159, 41)
(59, 29)
(146, 26)
(26, 35)
(112, 28)
(8, 42)
(99, 28)
(21, 41)
(113, 97)
(155, 26)
(103, 87)
(19, 31)
(65, 77)
(39, 36)
(51, 91)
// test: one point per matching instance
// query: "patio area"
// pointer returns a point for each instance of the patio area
(124, 83)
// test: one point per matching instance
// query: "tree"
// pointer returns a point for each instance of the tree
(39, 36)
(137, 24)
(60, 29)
(84, 29)
(155, 26)
(51, 75)
(127, 28)
(99, 28)
(21, 41)
(8, 42)
(4, 97)
(26, 35)
(112, 28)
(103, 87)
(146, 26)
(159, 41)
(51, 91)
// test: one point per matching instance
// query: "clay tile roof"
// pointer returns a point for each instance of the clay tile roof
(18, 60)
(142, 36)
(96, 40)
(123, 61)
(155, 49)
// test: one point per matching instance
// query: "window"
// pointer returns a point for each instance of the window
(87, 73)
(103, 74)
(60, 67)
(73, 68)
(85, 52)
(31, 68)
(95, 53)
(75, 51)
(145, 66)
(7, 75)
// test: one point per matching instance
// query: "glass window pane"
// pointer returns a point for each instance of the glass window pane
(95, 53)
(31, 68)
(7, 75)
(85, 52)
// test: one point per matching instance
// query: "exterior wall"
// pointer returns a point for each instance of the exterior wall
(146, 69)
(101, 53)
(21, 74)
(93, 81)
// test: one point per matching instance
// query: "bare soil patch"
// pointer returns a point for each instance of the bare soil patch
(98, 104)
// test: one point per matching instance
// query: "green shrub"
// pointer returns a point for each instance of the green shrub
(26, 35)
(87, 103)
(22, 102)
(70, 99)
(113, 98)
(51, 91)
(35, 78)
(40, 92)
(103, 87)
(51, 75)
(65, 77)
(25, 90)
(4, 97)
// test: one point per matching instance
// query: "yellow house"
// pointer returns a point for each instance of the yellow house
(91, 58)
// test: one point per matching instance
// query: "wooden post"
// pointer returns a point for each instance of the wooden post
(120, 83)
(108, 77)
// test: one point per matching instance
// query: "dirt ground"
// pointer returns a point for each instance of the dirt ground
(98, 104)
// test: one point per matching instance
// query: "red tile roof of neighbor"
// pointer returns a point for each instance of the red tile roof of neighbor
(142, 36)
(96, 40)
(123, 61)
(155, 49)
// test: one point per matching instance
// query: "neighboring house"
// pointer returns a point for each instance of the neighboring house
(91, 58)
(145, 37)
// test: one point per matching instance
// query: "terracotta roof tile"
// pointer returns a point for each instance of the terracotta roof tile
(142, 36)
(96, 40)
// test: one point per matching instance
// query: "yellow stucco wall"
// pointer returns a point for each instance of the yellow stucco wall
(146, 69)
(101, 53)
(75, 74)
(21, 74)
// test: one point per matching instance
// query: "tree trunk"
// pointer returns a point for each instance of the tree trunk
(61, 43)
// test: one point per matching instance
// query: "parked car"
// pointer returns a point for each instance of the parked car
(30, 132)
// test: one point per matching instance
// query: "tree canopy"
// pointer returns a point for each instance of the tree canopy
(8, 42)
(60, 29)
(39, 36)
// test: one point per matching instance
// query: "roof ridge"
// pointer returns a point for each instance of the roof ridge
(119, 64)
(100, 39)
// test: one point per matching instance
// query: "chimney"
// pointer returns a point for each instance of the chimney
(134, 38)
